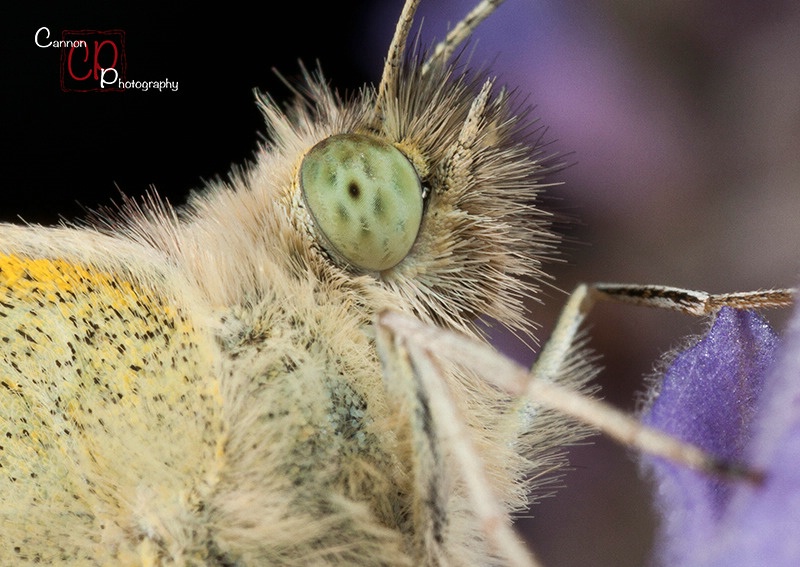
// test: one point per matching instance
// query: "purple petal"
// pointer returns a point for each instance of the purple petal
(762, 523)
(711, 396)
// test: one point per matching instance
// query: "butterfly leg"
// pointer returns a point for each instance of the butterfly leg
(618, 425)
(605, 418)
(416, 348)
(439, 434)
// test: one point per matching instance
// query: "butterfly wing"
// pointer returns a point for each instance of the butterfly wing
(111, 422)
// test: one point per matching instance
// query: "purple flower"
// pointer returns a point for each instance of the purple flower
(737, 395)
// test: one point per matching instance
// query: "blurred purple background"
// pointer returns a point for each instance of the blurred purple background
(681, 120)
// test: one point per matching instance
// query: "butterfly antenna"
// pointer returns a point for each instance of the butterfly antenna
(394, 58)
(463, 29)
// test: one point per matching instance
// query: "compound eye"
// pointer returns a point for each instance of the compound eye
(365, 198)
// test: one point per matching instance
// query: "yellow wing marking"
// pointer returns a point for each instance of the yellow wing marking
(110, 419)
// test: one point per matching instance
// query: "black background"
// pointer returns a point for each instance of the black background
(66, 150)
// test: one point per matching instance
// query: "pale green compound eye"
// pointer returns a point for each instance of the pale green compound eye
(365, 197)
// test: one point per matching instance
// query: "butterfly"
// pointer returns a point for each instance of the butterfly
(253, 378)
